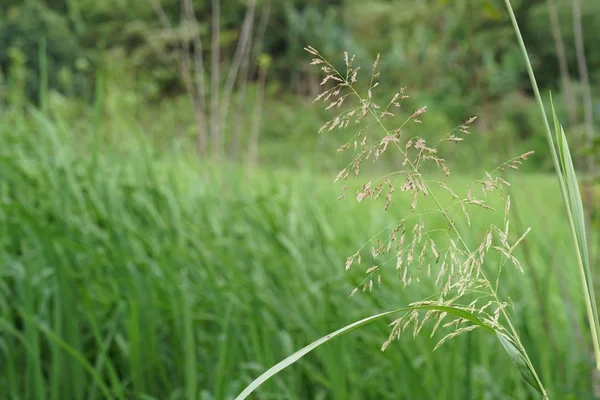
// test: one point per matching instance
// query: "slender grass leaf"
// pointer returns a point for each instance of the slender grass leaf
(576, 216)
(519, 360)
(301, 353)
(567, 178)
(75, 354)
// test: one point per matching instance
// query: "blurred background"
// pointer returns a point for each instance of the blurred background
(168, 226)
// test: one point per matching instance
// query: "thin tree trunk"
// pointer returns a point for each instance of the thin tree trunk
(186, 72)
(585, 81)
(583, 71)
(561, 53)
(215, 117)
(260, 35)
(242, 53)
(160, 12)
(245, 76)
(239, 110)
(589, 127)
(257, 115)
(200, 86)
(192, 77)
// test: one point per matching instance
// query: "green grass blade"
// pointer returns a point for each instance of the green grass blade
(302, 352)
(519, 360)
(515, 354)
(577, 224)
(76, 356)
(567, 178)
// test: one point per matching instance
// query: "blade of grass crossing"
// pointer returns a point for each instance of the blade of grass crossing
(77, 356)
(520, 361)
(103, 361)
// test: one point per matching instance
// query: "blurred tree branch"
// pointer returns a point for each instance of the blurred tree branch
(562, 63)
(211, 104)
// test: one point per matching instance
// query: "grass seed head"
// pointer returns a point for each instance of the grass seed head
(457, 270)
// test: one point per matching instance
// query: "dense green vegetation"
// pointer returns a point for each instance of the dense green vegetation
(142, 274)
(459, 58)
(131, 268)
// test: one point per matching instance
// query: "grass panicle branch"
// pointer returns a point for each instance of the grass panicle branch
(464, 299)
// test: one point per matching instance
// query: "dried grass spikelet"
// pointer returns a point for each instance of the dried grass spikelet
(419, 253)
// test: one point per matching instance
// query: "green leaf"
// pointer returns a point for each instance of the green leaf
(575, 213)
(302, 352)
(567, 179)
(519, 360)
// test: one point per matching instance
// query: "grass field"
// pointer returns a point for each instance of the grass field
(133, 274)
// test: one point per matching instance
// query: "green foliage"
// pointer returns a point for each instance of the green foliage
(22, 28)
(543, 51)
(448, 50)
(146, 274)
(131, 270)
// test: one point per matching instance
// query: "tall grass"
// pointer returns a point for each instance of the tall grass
(129, 273)
(133, 274)
(569, 187)
(464, 280)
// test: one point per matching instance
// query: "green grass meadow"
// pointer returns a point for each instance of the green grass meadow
(132, 273)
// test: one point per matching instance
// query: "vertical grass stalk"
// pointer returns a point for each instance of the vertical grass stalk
(570, 192)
